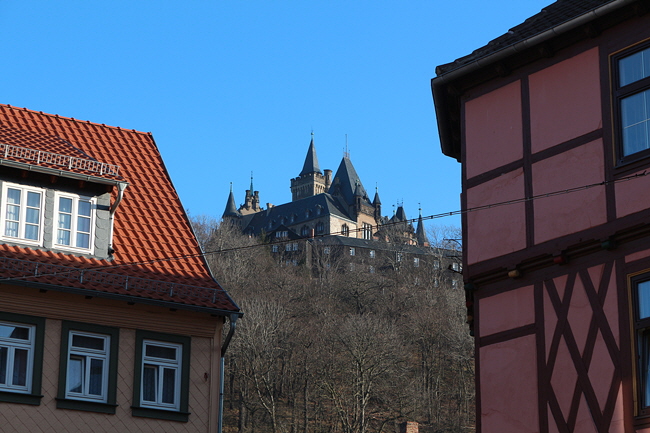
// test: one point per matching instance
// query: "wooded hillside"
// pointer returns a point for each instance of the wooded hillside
(342, 352)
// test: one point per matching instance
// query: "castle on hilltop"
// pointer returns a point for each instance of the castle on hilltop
(324, 205)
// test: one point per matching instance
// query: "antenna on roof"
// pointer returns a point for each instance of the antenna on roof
(230, 186)
(346, 152)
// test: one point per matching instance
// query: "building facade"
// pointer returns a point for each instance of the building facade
(110, 319)
(551, 125)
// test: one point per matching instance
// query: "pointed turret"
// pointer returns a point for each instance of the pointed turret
(231, 207)
(420, 233)
(311, 161)
(310, 181)
(376, 202)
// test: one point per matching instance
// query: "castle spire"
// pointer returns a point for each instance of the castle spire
(311, 161)
(231, 208)
(420, 233)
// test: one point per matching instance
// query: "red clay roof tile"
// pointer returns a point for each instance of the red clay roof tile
(151, 226)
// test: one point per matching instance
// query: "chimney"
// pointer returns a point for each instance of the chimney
(409, 427)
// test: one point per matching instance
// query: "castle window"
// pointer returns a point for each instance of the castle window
(22, 213)
(632, 96)
(294, 246)
(274, 248)
(352, 251)
(416, 262)
(287, 247)
(326, 250)
(372, 269)
(304, 231)
(372, 254)
(367, 231)
(320, 228)
(345, 230)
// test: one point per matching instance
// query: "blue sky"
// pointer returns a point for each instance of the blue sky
(233, 86)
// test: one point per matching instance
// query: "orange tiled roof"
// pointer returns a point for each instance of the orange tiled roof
(151, 226)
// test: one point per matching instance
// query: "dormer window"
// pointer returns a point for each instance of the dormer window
(22, 209)
(74, 221)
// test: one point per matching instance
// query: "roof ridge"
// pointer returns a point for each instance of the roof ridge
(87, 122)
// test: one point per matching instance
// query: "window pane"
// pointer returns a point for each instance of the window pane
(87, 342)
(33, 199)
(149, 374)
(169, 385)
(11, 229)
(65, 205)
(83, 208)
(634, 67)
(13, 212)
(83, 224)
(96, 377)
(75, 373)
(643, 290)
(161, 351)
(3, 365)
(63, 237)
(83, 240)
(13, 196)
(32, 216)
(31, 232)
(17, 332)
(65, 221)
(20, 367)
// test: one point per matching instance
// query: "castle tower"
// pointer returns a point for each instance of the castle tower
(251, 201)
(420, 233)
(310, 181)
(231, 211)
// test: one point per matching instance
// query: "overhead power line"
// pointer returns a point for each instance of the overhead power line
(408, 221)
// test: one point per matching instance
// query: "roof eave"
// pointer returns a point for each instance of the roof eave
(125, 298)
(61, 173)
(440, 85)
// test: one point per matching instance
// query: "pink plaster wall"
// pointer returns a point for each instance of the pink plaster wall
(499, 230)
(508, 380)
(493, 136)
(506, 310)
(569, 213)
(565, 100)
(632, 196)
(637, 256)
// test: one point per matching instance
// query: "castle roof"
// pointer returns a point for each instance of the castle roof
(346, 183)
(231, 207)
(311, 161)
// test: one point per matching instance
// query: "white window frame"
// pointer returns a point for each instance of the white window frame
(161, 365)
(352, 251)
(416, 262)
(87, 356)
(74, 222)
(294, 246)
(372, 254)
(24, 190)
(11, 344)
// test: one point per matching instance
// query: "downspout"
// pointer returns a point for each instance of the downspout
(120, 195)
(231, 331)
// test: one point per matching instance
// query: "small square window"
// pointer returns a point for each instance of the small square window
(416, 262)
(372, 254)
(352, 251)
(326, 250)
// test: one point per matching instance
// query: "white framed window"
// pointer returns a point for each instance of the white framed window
(352, 251)
(16, 356)
(367, 231)
(372, 269)
(345, 230)
(88, 360)
(287, 247)
(326, 250)
(416, 262)
(160, 386)
(22, 213)
(399, 257)
(294, 246)
(74, 220)
(274, 248)
(372, 254)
